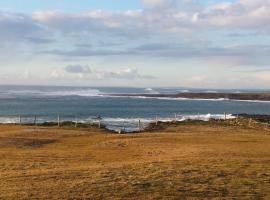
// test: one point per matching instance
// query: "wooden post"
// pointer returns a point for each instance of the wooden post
(156, 120)
(99, 123)
(58, 120)
(20, 119)
(250, 121)
(139, 124)
(124, 127)
(225, 116)
(175, 117)
(35, 120)
(76, 122)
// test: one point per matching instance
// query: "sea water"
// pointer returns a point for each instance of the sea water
(85, 104)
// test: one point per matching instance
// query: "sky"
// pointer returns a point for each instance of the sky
(136, 43)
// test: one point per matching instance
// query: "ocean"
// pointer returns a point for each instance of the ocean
(85, 104)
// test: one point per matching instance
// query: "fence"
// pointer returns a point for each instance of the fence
(137, 125)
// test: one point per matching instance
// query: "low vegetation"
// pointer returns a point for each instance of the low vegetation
(180, 161)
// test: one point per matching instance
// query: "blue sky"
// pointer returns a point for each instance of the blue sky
(139, 43)
(75, 6)
(68, 5)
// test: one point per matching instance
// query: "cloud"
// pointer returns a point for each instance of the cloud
(26, 74)
(234, 55)
(129, 73)
(199, 78)
(263, 76)
(183, 21)
(153, 2)
(40, 40)
(171, 17)
(242, 13)
(55, 74)
(225, 33)
(176, 19)
(85, 72)
(78, 69)
(17, 28)
(84, 52)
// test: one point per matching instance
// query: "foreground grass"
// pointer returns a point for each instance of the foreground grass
(188, 161)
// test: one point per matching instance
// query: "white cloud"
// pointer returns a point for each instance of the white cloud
(184, 17)
(78, 69)
(154, 2)
(129, 73)
(199, 78)
(84, 72)
(26, 74)
(263, 76)
(242, 13)
(17, 28)
(55, 74)
(178, 30)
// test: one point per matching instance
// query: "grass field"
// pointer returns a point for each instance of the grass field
(187, 161)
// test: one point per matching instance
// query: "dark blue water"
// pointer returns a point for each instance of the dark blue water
(85, 104)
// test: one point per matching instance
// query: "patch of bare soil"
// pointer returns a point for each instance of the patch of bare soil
(25, 142)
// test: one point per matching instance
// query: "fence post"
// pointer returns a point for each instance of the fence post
(175, 117)
(20, 120)
(225, 116)
(99, 123)
(139, 124)
(249, 123)
(76, 122)
(156, 120)
(58, 120)
(35, 120)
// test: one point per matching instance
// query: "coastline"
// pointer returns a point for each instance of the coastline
(258, 96)
(244, 119)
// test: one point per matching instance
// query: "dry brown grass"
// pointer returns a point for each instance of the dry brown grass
(188, 161)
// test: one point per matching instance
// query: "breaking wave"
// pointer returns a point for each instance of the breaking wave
(151, 91)
(115, 124)
(81, 92)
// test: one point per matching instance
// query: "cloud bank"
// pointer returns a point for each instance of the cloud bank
(85, 72)
(232, 34)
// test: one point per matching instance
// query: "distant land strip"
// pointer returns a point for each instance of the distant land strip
(232, 96)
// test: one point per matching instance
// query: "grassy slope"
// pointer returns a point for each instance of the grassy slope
(182, 161)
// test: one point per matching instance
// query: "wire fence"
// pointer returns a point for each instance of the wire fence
(128, 125)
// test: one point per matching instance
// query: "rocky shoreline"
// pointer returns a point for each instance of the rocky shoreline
(258, 118)
(231, 96)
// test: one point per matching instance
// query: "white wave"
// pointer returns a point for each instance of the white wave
(178, 117)
(98, 93)
(116, 124)
(189, 99)
(183, 91)
(205, 117)
(86, 93)
(237, 92)
(125, 120)
(9, 120)
(131, 124)
(175, 98)
(151, 91)
(252, 101)
(210, 91)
